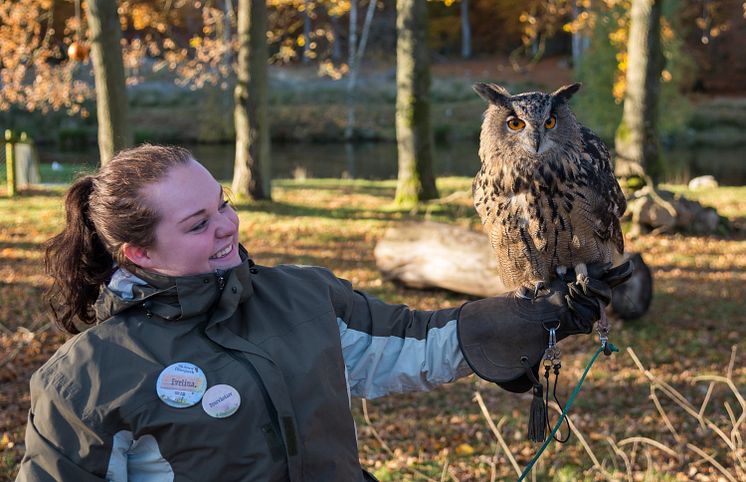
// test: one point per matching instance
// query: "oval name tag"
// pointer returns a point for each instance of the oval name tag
(221, 401)
(181, 385)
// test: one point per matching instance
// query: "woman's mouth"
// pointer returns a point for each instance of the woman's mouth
(223, 252)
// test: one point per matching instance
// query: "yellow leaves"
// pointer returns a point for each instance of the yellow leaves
(328, 68)
(618, 37)
(6, 442)
(464, 449)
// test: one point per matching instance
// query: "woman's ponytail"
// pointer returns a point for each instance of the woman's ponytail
(77, 261)
(104, 212)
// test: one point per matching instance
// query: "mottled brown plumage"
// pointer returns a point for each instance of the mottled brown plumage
(546, 191)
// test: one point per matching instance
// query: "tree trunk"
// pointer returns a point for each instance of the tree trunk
(306, 32)
(114, 133)
(465, 30)
(416, 181)
(251, 174)
(336, 51)
(580, 39)
(637, 135)
(356, 60)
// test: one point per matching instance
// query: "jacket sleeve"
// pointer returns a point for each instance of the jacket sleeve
(59, 445)
(391, 348)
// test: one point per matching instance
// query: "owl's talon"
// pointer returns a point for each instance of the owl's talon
(582, 281)
(538, 286)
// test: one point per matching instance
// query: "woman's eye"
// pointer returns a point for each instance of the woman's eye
(224, 205)
(199, 225)
(551, 122)
(516, 124)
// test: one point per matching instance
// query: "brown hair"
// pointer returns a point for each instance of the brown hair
(103, 211)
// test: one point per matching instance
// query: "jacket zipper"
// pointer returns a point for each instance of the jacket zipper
(219, 274)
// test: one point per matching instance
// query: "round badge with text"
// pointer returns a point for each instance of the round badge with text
(221, 401)
(181, 385)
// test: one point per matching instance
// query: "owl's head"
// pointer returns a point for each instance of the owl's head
(533, 122)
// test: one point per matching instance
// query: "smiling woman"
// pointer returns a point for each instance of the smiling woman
(200, 233)
(202, 365)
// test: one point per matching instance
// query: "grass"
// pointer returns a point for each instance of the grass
(698, 314)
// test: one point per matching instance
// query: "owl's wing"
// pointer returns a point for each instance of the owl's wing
(478, 195)
(610, 202)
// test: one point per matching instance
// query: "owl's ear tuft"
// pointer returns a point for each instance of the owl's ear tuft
(492, 93)
(564, 93)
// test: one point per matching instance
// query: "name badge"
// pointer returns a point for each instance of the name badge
(181, 385)
(221, 401)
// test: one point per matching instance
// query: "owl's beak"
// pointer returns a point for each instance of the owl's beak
(536, 141)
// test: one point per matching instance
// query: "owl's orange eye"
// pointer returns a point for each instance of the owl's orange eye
(551, 122)
(516, 124)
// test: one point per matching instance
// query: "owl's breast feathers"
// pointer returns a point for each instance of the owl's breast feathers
(556, 211)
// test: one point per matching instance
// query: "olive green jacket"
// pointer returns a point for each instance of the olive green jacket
(294, 342)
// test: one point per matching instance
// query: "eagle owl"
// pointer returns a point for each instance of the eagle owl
(546, 191)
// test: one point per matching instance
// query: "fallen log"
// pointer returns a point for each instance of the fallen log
(437, 255)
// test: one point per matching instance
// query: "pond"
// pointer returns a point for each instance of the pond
(377, 161)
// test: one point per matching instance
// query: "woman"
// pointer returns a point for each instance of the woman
(204, 366)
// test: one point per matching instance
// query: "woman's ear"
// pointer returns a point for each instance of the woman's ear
(137, 255)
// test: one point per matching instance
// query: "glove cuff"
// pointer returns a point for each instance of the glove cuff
(495, 335)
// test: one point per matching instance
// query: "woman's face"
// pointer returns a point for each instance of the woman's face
(198, 229)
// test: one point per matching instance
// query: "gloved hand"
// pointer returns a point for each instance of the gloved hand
(502, 337)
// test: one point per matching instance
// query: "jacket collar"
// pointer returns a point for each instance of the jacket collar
(175, 297)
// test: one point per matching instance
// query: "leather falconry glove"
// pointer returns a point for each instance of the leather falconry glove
(505, 336)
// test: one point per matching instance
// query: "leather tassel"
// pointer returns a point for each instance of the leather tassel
(538, 416)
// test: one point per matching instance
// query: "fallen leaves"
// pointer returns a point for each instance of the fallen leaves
(698, 313)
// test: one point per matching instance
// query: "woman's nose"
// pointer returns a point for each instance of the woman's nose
(226, 226)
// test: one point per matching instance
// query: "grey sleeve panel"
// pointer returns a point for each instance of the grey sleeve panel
(137, 460)
(390, 348)
(379, 365)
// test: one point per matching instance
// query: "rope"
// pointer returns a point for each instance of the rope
(567, 409)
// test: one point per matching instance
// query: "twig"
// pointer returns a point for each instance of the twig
(445, 470)
(712, 461)
(663, 414)
(649, 460)
(495, 431)
(622, 456)
(732, 442)
(585, 445)
(649, 441)
(729, 372)
(705, 402)
(385, 446)
(493, 464)
(633, 454)
(683, 402)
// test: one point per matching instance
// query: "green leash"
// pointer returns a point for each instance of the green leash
(567, 408)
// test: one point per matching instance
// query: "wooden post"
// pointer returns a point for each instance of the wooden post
(10, 165)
